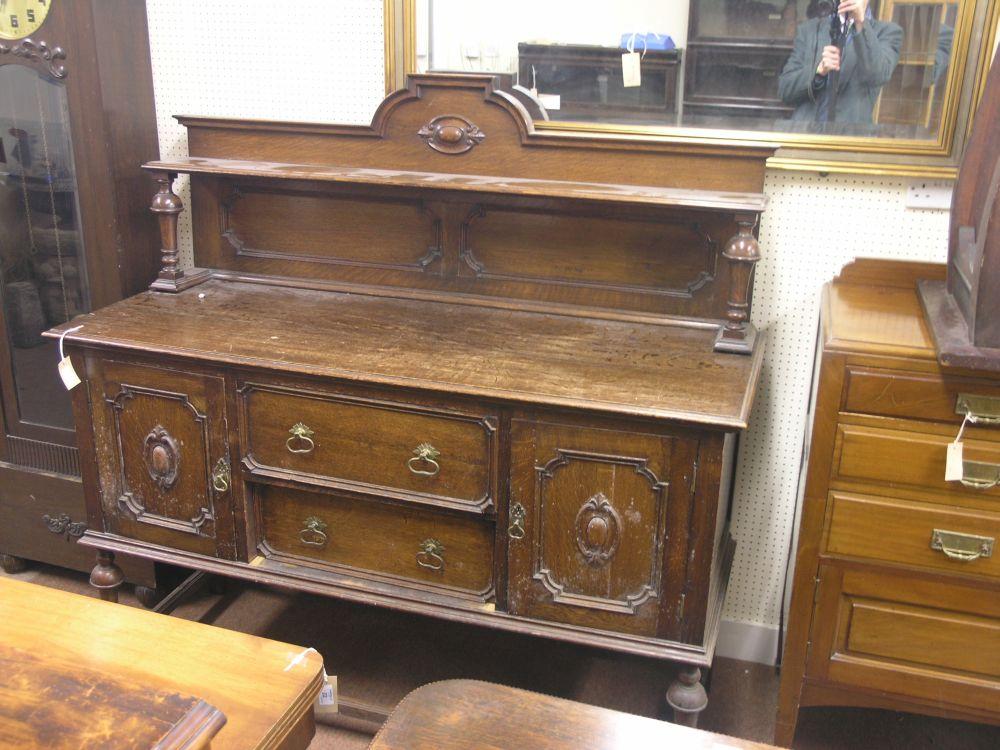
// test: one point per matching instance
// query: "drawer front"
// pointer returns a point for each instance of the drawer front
(908, 636)
(900, 531)
(912, 395)
(402, 543)
(163, 455)
(904, 459)
(440, 456)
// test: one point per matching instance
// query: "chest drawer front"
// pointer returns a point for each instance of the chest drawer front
(440, 456)
(911, 395)
(905, 459)
(901, 531)
(908, 636)
(403, 543)
(163, 455)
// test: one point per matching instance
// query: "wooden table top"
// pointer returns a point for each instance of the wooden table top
(616, 366)
(152, 665)
(470, 715)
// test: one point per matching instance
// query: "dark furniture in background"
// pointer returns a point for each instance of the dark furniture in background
(735, 53)
(588, 78)
(443, 363)
(76, 118)
(896, 595)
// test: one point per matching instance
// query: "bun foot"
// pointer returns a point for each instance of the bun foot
(687, 697)
(107, 577)
(12, 564)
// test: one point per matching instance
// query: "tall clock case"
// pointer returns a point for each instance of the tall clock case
(76, 120)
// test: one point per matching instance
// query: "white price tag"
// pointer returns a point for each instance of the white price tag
(631, 74)
(328, 695)
(550, 101)
(68, 374)
(953, 465)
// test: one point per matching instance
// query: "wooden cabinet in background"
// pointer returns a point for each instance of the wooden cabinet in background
(896, 595)
(76, 118)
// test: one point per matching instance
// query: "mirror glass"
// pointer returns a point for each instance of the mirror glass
(867, 68)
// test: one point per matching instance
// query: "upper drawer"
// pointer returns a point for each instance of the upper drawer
(925, 396)
(436, 456)
(932, 537)
(908, 459)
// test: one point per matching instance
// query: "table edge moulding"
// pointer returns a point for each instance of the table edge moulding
(531, 353)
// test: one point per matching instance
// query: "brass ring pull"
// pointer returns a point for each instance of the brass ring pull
(516, 528)
(301, 440)
(314, 534)
(221, 476)
(425, 454)
(431, 555)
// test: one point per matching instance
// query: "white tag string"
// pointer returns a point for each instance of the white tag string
(62, 338)
(969, 417)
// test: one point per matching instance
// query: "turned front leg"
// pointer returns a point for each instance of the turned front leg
(107, 577)
(687, 697)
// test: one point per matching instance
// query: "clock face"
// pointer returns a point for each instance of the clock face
(21, 18)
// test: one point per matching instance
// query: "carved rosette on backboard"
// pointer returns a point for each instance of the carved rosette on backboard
(163, 457)
(451, 134)
(598, 530)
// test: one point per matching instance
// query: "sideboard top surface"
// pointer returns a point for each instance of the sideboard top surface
(618, 367)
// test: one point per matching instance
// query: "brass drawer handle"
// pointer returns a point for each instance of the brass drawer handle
(984, 410)
(431, 555)
(301, 440)
(221, 476)
(963, 547)
(314, 533)
(516, 528)
(425, 454)
(980, 476)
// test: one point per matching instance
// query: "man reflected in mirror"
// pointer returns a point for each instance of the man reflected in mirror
(841, 60)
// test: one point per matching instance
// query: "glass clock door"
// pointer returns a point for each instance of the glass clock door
(42, 271)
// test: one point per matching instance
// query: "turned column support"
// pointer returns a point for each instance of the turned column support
(687, 697)
(167, 206)
(107, 577)
(741, 253)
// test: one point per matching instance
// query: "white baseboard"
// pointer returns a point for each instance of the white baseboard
(747, 641)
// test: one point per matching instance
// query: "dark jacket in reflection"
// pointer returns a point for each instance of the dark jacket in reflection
(867, 65)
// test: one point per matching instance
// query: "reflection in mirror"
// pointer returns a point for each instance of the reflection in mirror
(875, 68)
(41, 271)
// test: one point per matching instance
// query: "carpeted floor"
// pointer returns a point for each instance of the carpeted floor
(379, 656)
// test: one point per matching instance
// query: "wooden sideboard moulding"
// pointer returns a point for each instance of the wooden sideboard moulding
(442, 363)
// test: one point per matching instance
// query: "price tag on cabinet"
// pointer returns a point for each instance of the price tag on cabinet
(631, 73)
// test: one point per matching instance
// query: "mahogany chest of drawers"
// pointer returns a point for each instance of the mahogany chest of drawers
(442, 364)
(896, 598)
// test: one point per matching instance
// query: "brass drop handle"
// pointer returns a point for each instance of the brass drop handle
(516, 528)
(314, 533)
(962, 547)
(431, 555)
(977, 475)
(425, 454)
(301, 440)
(221, 476)
(980, 484)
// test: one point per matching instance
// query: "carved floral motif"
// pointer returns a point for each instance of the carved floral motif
(38, 52)
(598, 530)
(163, 457)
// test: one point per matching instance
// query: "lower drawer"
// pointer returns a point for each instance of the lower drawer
(945, 538)
(369, 537)
(902, 634)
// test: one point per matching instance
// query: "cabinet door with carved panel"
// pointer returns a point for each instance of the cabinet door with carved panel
(590, 525)
(169, 480)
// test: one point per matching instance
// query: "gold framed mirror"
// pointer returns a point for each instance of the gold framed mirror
(727, 71)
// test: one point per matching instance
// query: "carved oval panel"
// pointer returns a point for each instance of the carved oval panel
(163, 457)
(451, 134)
(598, 530)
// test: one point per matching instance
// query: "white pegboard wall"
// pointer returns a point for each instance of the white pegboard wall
(329, 68)
(812, 227)
(311, 61)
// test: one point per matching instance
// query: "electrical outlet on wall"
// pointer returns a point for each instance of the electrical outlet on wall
(929, 194)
